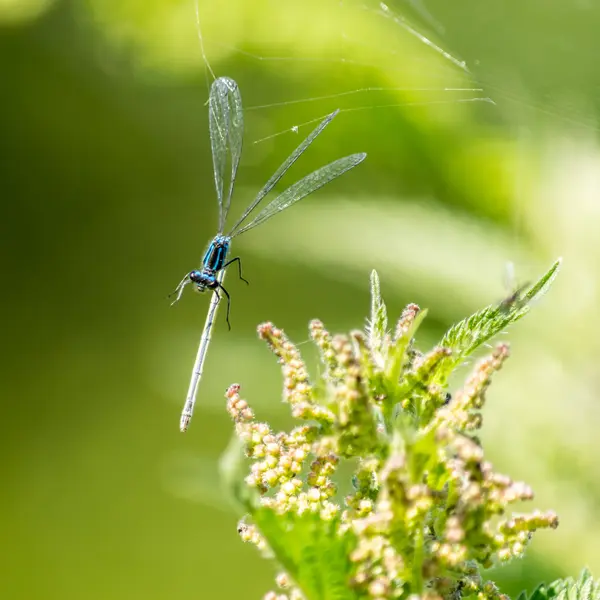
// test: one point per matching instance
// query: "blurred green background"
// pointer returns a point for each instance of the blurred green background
(107, 201)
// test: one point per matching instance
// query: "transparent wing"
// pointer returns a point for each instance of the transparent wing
(226, 125)
(289, 161)
(307, 185)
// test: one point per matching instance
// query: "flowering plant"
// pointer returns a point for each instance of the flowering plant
(383, 491)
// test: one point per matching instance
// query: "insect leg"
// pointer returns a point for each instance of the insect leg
(179, 289)
(228, 302)
(239, 262)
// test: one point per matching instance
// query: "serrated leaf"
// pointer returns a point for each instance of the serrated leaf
(378, 322)
(539, 289)
(585, 588)
(311, 550)
(469, 334)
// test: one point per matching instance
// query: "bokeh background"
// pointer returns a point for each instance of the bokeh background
(107, 200)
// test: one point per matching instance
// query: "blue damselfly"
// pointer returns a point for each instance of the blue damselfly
(226, 125)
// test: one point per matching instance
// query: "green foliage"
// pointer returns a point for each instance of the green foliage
(584, 588)
(468, 335)
(377, 326)
(303, 544)
(426, 512)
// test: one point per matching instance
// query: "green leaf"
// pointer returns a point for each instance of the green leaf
(311, 550)
(469, 334)
(397, 357)
(378, 322)
(233, 467)
(585, 588)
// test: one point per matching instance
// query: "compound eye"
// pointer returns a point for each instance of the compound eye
(195, 276)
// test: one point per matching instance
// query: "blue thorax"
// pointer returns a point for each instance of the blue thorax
(213, 261)
(215, 256)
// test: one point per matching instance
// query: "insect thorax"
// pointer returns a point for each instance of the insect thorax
(215, 256)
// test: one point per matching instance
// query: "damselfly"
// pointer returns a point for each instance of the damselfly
(226, 126)
(515, 299)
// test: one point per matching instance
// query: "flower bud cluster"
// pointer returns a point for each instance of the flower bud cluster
(297, 390)
(406, 320)
(426, 511)
(279, 460)
(354, 425)
(463, 411)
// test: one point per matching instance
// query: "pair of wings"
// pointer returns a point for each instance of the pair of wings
(226, 125)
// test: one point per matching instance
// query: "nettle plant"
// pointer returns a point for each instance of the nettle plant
(382, 490)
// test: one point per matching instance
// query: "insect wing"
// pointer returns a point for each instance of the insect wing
(307, 185)
(289, 161)
(226, 125)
